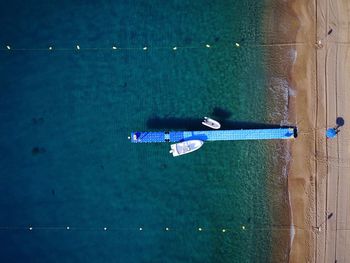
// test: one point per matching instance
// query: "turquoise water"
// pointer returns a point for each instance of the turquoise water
(65, 116)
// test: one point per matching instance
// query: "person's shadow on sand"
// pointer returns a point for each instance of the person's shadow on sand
(340, 122)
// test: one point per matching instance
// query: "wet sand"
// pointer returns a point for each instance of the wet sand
(285, 33)
(319, 178)
(301, 183)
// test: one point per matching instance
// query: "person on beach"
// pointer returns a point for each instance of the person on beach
(319, 44)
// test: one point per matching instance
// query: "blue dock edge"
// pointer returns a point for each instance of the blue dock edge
(214, 135)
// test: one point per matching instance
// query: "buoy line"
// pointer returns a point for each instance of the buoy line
(107, 228)
(168, 228)
(79, 47)
(113, 48)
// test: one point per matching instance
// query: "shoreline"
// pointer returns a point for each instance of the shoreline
(302, 111)
(292, 22)
(282, 25)
(318, 182)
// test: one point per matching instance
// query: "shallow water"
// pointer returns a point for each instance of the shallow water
(65, 116)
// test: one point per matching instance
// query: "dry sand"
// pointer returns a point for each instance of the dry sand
(319, 178)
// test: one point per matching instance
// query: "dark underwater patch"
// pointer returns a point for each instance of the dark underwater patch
(38, 150)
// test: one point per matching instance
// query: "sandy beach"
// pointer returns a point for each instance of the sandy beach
(319, 181)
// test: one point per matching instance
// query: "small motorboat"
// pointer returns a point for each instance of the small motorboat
(211, 123)
(182, 148)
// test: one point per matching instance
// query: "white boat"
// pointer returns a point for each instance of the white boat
(211, 123)
(185, 147)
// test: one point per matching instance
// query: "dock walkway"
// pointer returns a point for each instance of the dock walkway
(213, 135)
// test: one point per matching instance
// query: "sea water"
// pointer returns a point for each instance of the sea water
(72, 186)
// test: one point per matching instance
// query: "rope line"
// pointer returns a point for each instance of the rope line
(144, 48)
(111, 228)
(165, 228)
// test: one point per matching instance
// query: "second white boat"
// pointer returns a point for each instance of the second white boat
(211, 123)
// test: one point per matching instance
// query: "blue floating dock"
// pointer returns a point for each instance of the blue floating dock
(213, 135)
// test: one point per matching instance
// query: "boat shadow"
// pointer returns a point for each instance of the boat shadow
(195, 124)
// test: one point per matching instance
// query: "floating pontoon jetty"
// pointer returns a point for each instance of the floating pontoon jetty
(213, 135)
